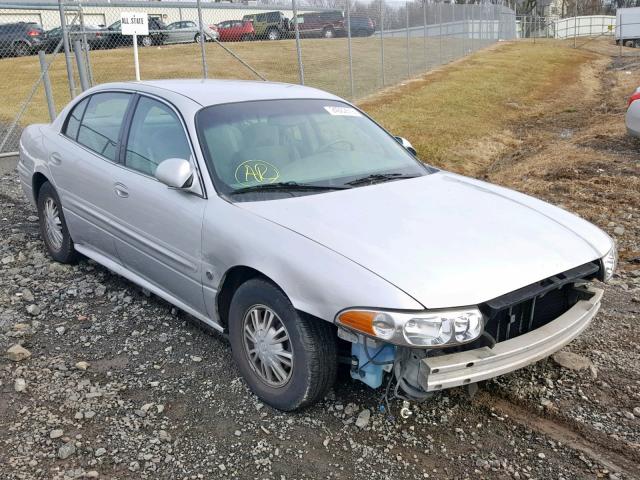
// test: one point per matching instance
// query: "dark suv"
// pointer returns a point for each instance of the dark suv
(20, 39)
(322, 24)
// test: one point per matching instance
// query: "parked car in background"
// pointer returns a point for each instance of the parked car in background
(270, 25)
(361, 25)
(322, 24)
(285, 217)
(96, 38)
(20, 39)
(186, 31)
(114, 37)
(632, 117)
(236, 31)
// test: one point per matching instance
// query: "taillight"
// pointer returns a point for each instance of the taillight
(633, 98)
(33, 33)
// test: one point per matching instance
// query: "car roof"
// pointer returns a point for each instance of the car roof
(214, 92)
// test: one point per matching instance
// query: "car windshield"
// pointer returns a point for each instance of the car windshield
(298, 143)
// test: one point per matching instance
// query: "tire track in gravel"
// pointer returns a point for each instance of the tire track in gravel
(616, 457)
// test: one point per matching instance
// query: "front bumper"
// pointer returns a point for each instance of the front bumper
(453, 370)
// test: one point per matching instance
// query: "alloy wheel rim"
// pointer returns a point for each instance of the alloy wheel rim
(53, 224)
(267, 345)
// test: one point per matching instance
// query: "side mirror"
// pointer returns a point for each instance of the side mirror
(175, 173)
(407, 145)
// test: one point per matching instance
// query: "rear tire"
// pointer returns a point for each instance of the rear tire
(197, 38)
(146, 41)
(21, 49)
(53, 226)
(307, 345)
(328, 33)
(273, 34)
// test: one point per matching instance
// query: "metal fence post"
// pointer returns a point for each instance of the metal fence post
(575, 26)
(296, 30)
(349, 48)
(620, 39)
(382, 40)
(82, 71)
(67, 51)
(406, 8)
(85, 46)
(44, 68)
(203, 40)
(440, 30)
(424, 25)
(473, 27)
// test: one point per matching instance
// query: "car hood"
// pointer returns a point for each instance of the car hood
(444, 239)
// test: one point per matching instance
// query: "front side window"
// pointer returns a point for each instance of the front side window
(156, 134)
(319, 143)
(99, 129)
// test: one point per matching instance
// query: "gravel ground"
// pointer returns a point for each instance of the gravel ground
(118, 384)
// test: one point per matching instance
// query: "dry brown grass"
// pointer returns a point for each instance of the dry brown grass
(456, 117)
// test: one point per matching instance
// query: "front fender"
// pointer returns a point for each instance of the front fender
(317, 280)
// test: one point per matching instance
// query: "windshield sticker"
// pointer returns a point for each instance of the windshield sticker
(343, 111)
(256, 172)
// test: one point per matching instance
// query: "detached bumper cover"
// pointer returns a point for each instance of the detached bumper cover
(446, 371)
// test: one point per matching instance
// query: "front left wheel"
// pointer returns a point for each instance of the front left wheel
(288, 359)
(53, 226)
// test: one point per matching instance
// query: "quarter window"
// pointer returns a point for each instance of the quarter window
(156, 134)
(100, 126)
(74, 119)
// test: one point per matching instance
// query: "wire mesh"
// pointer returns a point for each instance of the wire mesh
(352, 49)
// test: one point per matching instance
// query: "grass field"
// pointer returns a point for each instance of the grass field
(326, 66)
(470, 99)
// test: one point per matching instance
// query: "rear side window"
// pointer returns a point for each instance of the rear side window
(156, 134)
(73, 120)
(100, 126)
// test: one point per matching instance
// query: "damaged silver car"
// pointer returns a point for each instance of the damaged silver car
(288, 219)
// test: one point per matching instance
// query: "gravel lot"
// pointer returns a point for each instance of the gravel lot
(119, 384)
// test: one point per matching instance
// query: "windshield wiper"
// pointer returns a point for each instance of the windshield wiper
(287, 187)
(379, 177)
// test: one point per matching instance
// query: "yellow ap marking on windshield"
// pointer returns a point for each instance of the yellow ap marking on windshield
(256, 171)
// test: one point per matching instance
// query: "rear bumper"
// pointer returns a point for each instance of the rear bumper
(446, 371)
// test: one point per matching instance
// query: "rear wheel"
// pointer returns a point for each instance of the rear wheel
(273, 34)
(288, 360)
(197, 38)
(245, 38)
(21, 49)
(53, 226)
(146, 41)
(328, 33)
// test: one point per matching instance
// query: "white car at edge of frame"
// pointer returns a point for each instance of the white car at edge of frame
(287, 218)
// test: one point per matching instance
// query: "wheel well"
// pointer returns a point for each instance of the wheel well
(235, 277)
(37, 182)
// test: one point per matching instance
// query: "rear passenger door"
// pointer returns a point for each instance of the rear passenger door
(83, 163)
(160, 228)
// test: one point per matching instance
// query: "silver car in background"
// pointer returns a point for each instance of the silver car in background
(632, 117)
(186, 31)
(287, 218)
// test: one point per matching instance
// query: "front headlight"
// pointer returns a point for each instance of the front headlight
(609, 263)
(437, 328)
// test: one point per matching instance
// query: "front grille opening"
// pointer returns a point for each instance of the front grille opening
(532, 307)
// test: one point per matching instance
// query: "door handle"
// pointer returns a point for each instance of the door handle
(55, 158)
(121, 190)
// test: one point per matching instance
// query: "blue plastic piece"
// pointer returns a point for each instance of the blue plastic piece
(367, 371)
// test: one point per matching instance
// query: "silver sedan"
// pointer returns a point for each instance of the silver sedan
(285, 217)
(186, 31)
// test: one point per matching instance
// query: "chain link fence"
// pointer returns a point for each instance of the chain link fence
(50, 52)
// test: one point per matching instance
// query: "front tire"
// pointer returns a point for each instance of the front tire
(53, 226)
(274, 34)
(328, 33)
(288, 360)
(146, 41)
